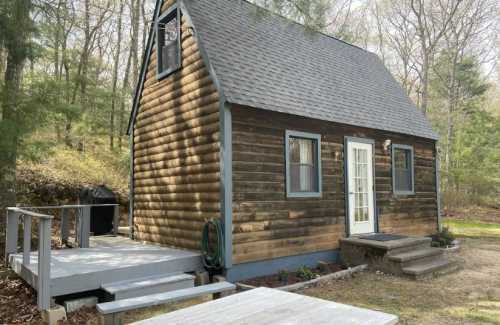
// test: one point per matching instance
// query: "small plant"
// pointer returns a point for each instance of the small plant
(443, 239)
(305, 273)
(283, 275)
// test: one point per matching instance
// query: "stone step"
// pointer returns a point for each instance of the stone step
(414, 255)
(436, 266)
(148, 285)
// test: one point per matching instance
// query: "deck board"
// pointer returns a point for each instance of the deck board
(272, 307)
(109, 259)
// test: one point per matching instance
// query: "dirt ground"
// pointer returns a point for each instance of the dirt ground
(469, 296)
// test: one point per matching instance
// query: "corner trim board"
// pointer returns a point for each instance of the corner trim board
(227, 182)
(438, 188)
(131, 188)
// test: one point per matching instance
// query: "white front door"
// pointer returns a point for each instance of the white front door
(360, 187)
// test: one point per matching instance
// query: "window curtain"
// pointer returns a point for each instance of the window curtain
(306, 165)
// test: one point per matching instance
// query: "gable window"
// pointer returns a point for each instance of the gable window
(168, 43)
(402, 169)
(303, 164)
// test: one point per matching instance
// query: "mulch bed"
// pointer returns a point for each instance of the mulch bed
(276, 281)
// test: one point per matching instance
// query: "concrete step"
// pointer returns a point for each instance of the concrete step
(148, 285)
(414, 255)
(436, 266)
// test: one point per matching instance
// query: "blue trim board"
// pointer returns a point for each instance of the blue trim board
(253, 269)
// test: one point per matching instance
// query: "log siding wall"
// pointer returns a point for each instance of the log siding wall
(176, 150)
(267, 224)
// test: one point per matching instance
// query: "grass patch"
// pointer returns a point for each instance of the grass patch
(464, 228)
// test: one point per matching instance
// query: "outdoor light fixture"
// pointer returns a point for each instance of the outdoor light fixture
(387, 145)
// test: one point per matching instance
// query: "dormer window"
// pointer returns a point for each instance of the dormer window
(168, 43)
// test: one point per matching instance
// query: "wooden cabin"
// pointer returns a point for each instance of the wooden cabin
(294, 139)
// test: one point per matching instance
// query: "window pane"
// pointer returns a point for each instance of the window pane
(403, 166)
(168, 45)
(294, 150)
(303, 165)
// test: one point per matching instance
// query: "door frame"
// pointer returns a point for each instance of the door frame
(348, 139)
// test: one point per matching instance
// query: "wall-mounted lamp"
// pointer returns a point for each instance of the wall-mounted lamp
(387, 146)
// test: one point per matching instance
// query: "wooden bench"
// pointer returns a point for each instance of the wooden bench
(110, 311)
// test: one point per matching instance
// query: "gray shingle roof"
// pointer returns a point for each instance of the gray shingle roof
(265, 61)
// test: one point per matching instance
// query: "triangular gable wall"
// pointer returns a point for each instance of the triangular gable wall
(176, 147)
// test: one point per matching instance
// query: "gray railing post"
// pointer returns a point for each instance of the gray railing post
(44, 240)
(26, 239)
(11, 233)
(116, 219)
(64, 226)
(84, 227)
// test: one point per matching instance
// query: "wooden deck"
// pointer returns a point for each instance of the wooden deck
(109, 259)
(272, 307)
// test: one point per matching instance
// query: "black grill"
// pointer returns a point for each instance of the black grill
(101, 218)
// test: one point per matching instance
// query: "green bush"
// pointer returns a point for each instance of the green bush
(283, 275)
(443, 239)
(305, 273)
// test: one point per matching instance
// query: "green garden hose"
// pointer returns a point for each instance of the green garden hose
(213, 248)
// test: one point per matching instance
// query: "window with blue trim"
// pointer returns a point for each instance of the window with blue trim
(303, 164)
(168, 43)
(402, 169)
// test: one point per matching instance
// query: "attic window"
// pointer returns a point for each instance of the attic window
(168, 43)
(402, 169)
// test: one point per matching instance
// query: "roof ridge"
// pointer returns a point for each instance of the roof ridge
(304, 26)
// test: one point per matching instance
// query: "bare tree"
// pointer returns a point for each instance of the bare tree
(135, 8)
(115, 76)
(430, 20)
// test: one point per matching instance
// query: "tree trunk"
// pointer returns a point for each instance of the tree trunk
(16, 50)
(136, 12)
(125, 90)
(115, 80)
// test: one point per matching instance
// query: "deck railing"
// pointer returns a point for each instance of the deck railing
(26, 214)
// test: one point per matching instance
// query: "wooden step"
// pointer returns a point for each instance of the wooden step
(421, 270)
(111, 309)
(415, 254)
(148, 285)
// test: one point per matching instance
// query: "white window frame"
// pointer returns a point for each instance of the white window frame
(412, 159)
(311, 136)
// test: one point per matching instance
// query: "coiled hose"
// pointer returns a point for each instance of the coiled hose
(213, 248)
